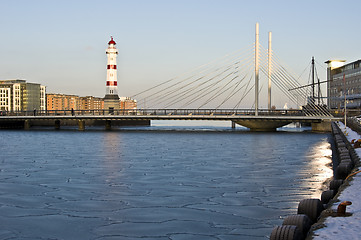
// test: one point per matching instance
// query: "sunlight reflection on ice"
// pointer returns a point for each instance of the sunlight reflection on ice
(320, 159)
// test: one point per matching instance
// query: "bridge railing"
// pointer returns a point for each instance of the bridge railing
(156, 112)
(221, 112)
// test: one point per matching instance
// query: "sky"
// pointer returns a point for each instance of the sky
(61, 44)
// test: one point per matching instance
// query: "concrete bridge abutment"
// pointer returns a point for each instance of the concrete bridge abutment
(323, 126)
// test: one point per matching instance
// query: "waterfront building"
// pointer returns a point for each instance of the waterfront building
(19, 95)
(344, 79)
(91, 103)
(55, 101)
(111, 99)
(128, 103)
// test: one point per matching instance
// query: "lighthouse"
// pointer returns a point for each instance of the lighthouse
(111, 99)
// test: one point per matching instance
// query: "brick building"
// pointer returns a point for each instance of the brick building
(55, 101)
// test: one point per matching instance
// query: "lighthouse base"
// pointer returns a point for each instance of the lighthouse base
(111, 102)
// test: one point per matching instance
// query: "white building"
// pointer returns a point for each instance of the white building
(18, 95)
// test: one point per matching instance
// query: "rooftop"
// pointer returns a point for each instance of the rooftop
(111, 41)
(12, 81)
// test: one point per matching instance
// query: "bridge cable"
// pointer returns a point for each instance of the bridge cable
(233, 92)
(168, 93)
(219, 93)
(286, 78)
(200, 70)
(245, 93)
(304, 94)
(189, 91)
(204, 65)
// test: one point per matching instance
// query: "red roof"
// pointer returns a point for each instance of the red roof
(111, 41)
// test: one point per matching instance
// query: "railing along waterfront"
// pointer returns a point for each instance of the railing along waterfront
(157, 112)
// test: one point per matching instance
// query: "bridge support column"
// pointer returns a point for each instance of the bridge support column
(108, 125)
(323, 126)
(57, 124)
(27, 124)
(81, 125)
(233, 125)
(263, 125)
(256, 69)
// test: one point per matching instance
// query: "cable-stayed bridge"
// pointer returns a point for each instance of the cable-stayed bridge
(227, 89)
(231, 82)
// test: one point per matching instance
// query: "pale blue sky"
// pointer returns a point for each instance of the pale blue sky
(61, 44)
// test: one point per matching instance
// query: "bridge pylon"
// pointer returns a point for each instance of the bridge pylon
(256, 69)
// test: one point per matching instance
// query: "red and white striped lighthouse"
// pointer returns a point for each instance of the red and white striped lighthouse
(111, 99)
(112, 84)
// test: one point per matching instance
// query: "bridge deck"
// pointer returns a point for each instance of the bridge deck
(215, 117)
(265, 120)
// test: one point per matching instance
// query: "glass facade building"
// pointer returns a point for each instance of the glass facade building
(19, 95)
(344, 79)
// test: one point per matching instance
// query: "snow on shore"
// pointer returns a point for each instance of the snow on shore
(345, 227)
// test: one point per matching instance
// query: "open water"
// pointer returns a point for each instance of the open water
(157, 183)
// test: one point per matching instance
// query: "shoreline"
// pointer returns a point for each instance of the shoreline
(342, 227)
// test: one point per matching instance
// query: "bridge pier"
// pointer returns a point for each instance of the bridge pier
(323, 126)
(81, 125)
(233, 125)
(57, 124)
(259, 125)
(27, 124)
(108, 124)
